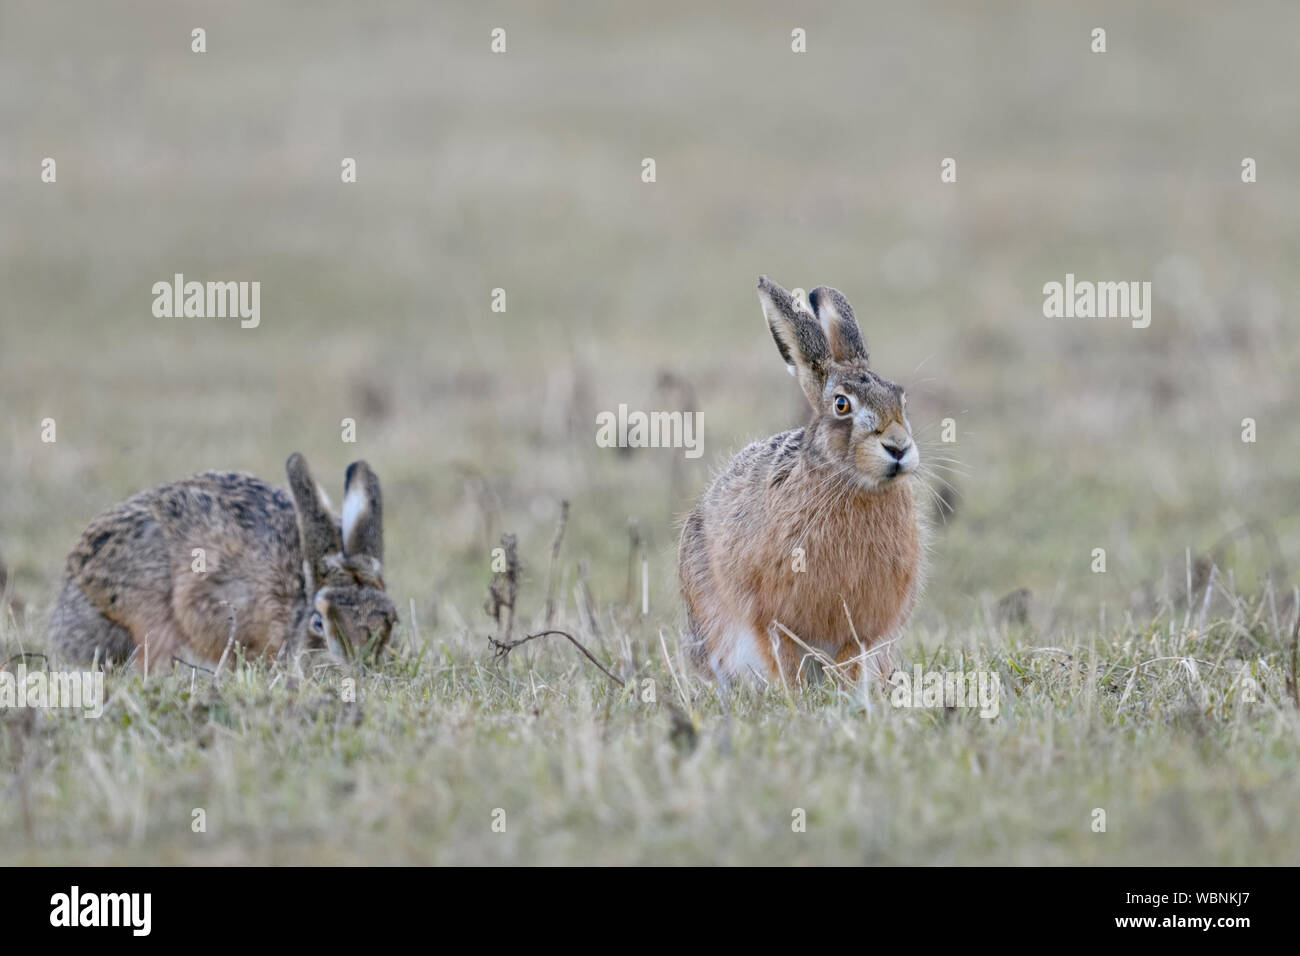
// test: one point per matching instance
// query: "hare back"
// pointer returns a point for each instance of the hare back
(186, 565)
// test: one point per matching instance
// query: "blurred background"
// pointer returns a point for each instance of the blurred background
(522, 171)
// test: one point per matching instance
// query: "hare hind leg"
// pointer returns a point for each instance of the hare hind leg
(78, 630)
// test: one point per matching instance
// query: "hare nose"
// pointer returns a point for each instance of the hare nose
(898, 451)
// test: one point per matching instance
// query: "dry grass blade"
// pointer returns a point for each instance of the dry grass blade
(501, 650)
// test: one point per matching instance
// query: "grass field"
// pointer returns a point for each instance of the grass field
(1126, 691)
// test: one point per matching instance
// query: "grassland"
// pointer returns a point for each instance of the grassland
(1122, 691)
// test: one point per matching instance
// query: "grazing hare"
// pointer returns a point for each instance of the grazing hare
(816, 530)
(179, 569)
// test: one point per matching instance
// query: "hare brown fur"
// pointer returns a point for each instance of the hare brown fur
(816, 530)
(180, 569)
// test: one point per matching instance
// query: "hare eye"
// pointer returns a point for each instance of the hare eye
(842, 405)
(317, 623)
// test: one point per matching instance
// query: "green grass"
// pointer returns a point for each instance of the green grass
(523, 172)
(1152, 724)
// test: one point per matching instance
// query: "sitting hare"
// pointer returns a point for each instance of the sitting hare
(179, 569)
(816, 529)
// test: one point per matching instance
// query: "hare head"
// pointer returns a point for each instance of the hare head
(859, 422)
(348, 612)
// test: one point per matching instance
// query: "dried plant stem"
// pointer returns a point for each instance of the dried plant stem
(1293, 679)
(505, 585)
(555, 560)
(501, 650)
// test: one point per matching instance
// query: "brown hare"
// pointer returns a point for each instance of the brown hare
(816, 530)
(178, 569)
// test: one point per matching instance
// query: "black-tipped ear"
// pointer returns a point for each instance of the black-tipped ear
(363, 513)
(317, 529)
(837, 321)
(798, 337)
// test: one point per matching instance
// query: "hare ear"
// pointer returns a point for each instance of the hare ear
(317, 530)
(363, 514)
(836, 317)
(798, 337)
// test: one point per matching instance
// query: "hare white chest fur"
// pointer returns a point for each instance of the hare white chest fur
(814, 532)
